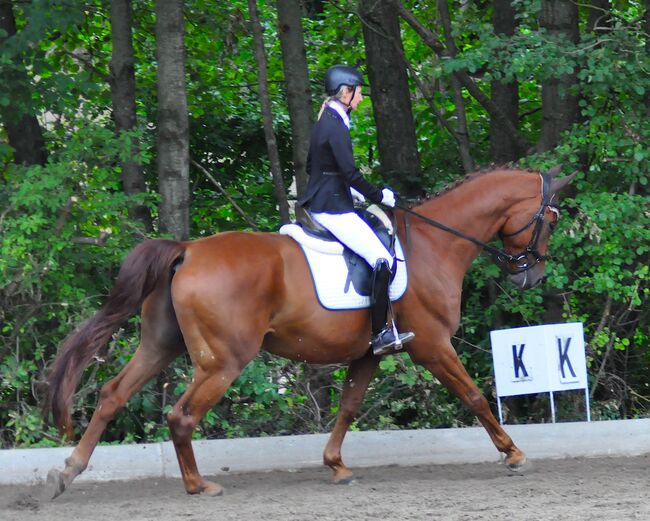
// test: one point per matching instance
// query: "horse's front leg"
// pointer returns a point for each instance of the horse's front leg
(354, 389)
(444, 364)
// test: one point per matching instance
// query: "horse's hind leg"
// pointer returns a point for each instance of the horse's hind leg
(113, 396)
(354, 389)
(160, 343)
(207, 388)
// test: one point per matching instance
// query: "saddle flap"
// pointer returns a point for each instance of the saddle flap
(330, 273)
(359, 272)
(311, 234)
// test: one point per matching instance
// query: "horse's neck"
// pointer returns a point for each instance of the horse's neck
(478, 207)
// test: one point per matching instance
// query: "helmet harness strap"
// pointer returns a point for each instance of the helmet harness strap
(349, 103)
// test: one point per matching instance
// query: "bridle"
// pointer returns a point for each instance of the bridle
(524, 260)
(521, 260)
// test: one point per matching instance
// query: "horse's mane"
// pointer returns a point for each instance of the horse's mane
(481, 172)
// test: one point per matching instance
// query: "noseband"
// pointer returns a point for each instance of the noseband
(526, 259)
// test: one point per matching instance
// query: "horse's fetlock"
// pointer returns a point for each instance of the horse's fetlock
(331, 459)
(76, 464)
(107, 390)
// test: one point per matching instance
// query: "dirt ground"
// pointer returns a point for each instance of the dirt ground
(565, 490)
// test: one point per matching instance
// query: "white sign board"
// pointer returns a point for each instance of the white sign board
(539, 359)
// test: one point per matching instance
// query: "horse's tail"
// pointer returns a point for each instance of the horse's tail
(138, 276)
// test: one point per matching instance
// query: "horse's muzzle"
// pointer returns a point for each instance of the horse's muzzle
(527, 279)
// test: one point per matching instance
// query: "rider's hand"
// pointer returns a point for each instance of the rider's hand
(357, 196)
(388, 197)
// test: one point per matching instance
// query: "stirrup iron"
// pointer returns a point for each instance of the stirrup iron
(389, 340)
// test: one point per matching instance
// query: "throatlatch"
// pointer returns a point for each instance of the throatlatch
(385, 337)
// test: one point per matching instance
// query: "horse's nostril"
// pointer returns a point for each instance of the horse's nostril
(540, 281)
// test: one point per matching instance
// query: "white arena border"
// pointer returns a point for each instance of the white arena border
(361, 449)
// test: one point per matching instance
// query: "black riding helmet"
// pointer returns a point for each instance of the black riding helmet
(339, 75)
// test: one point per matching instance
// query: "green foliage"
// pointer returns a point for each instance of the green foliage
(50, 281)
(404, 395)
(605, 226)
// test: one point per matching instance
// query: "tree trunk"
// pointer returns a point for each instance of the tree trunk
(599, 18)
(465, 80)
(267, 116)
(23, 130)
(647, 50)
(428, 92)
(647, 26)
(391, 99)
(122, 81)
(173, 127)
(294, 57)
(504, 95)
(459, 103)
(559, 106)
(313, 7)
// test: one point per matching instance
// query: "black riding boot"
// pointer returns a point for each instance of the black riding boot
(384, 340)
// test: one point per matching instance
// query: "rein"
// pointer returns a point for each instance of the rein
(501, 257)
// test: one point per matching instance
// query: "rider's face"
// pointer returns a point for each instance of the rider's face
(353, 101)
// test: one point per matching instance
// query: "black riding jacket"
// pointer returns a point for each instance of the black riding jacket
(332, 170)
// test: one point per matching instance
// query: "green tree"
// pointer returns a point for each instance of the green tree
(65, 225)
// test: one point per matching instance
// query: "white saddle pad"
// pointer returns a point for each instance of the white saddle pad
(329, 271)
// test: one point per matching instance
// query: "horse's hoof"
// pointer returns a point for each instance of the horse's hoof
(55, 484)
(518, 468)
(343, 477)
(212, 489)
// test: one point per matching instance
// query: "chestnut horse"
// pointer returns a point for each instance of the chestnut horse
(225, 297)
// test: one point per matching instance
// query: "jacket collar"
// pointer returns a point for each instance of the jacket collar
(338, 108)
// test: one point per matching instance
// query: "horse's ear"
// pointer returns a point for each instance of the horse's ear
(558, 184)
(554, 171)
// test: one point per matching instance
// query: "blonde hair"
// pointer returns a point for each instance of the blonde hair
(339, 94)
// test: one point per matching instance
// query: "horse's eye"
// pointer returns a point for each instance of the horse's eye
(554, 218)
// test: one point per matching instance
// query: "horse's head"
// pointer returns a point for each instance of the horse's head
(526, 232)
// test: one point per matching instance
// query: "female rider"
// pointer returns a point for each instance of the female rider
(333, 182)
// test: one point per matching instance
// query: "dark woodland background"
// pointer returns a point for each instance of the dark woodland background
(123, 120)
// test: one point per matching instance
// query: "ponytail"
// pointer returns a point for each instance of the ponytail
(325, 103)
(338, 95)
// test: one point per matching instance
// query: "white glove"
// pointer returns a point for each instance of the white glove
(388, 197)
(357, 196)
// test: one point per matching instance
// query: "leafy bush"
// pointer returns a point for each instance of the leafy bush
(52, 276)
(49, 279)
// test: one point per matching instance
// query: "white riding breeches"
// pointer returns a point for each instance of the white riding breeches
(355, 233)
